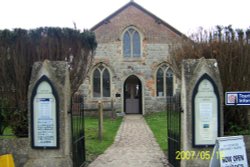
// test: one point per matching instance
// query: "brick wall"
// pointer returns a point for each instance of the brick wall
(153, 31)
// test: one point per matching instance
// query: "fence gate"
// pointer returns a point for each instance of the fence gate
(78, 137)
(174, 128)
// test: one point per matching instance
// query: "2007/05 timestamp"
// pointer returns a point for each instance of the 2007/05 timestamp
(193, 155)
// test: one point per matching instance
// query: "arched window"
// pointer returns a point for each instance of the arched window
(164, 81)
(131, 43)
(106, 83)
(101, 82)
(169, 82)
(96, 83)
(160, 82)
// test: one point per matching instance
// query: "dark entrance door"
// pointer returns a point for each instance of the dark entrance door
(132, 95)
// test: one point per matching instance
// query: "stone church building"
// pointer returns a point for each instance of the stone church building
(131, 62)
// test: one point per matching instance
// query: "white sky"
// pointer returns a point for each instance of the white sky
(184, 15)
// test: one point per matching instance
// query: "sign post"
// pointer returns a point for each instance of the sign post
(229, 151)
(100, 122)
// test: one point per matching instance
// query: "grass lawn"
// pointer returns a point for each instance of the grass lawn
(158, 124)
(94, 146)
(7, 134)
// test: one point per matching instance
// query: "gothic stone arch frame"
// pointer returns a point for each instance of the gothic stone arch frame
(216, 92)
(44, 78)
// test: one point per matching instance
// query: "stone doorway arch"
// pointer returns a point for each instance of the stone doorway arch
(132, 95)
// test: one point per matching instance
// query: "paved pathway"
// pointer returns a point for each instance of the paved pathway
(134, 146)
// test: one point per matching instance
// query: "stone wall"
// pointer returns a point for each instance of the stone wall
(24, 153)
(18, 147)
(58, 74)
(192, 70)
(247, 144)
(144, 68)
(157, 37)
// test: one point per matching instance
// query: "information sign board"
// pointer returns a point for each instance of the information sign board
(237, 98)
(229, 151)
(44, 116)
(205, 113)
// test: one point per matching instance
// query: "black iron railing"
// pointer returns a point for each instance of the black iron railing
(174, 128)
(78, 136)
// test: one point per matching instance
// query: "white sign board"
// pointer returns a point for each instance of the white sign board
(206, 114)
(229, 151)
(44, 117)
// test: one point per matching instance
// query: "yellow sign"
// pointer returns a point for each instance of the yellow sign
(7, 161)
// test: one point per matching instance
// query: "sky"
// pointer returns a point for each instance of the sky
(185, 15)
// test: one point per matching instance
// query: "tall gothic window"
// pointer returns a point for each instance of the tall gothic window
(169, 82)
(160, 82)
(164, 81)
(131, 43)
(101, 82)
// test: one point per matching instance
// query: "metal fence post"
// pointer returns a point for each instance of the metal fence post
(112, 109)
(174, 131)
(78, 134)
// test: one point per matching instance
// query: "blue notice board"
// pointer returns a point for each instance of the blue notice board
(237, 98)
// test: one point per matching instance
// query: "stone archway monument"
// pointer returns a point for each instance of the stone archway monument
(49, 119)
(202, 117)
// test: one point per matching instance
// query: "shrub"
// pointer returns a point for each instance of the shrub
(5, 115)
(19, 123)
(20, 48)
(231, 48)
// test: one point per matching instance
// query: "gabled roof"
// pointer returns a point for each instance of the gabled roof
(132, 3)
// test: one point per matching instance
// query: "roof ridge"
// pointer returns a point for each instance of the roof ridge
(105, 20)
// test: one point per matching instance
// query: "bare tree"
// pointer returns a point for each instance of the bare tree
(231, 48)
